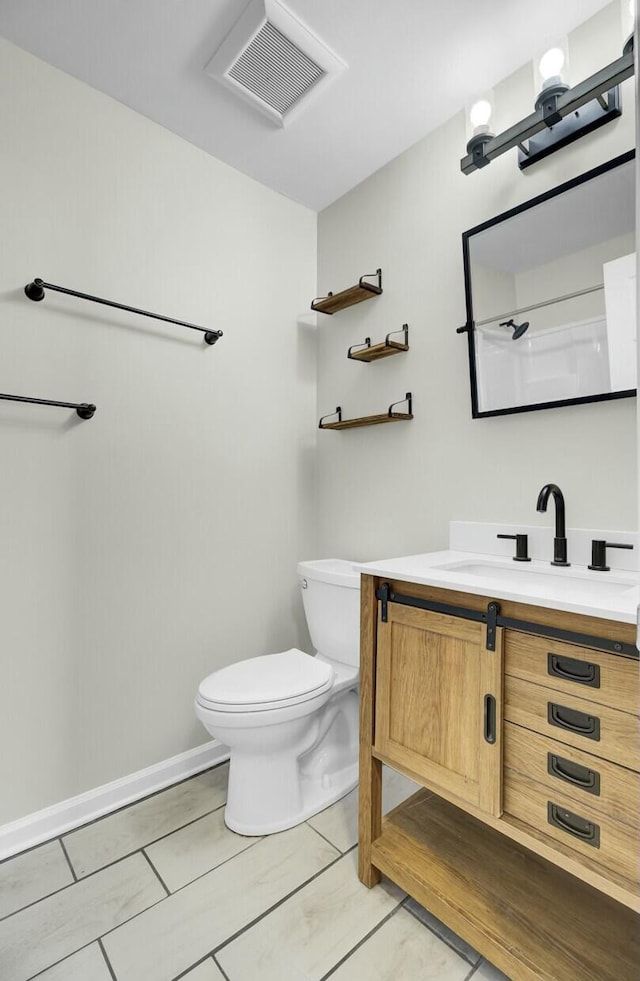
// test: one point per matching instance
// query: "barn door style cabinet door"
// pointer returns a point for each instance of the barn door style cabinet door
(439, 702)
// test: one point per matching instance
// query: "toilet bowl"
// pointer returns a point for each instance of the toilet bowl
(290, 720)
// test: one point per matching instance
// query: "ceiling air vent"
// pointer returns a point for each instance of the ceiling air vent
(273, 61)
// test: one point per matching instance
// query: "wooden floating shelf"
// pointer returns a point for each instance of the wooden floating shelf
(333, 302)
(532, 919)
(368, 421)
(378, 351)
(377, 420)
(383, 350)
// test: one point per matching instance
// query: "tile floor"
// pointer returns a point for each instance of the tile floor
(162, 890)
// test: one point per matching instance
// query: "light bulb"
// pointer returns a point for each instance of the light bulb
(551, 64)
(627, 23)
(480, 113)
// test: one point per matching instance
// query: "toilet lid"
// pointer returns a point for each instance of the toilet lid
(274, 679)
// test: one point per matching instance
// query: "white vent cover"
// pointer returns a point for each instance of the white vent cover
(273, 61)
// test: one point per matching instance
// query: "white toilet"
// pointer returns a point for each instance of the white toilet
(291, 720)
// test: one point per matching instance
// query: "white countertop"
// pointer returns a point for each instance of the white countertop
(611, 595)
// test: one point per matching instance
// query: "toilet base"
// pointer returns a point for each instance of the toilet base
(317, 794)
(293, 770)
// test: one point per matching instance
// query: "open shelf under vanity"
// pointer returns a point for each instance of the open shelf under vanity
(503, 898)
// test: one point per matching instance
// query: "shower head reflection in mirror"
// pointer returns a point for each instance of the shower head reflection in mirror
(518, 329)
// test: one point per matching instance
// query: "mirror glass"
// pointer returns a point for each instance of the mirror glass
(551, 297)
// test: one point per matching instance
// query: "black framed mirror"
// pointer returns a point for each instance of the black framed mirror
(550, 290)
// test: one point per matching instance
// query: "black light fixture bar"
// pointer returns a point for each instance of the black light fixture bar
(84, 409)
(35, 291)
(604, 80)
(570, 102)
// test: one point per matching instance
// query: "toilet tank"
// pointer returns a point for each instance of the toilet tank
(331, 597)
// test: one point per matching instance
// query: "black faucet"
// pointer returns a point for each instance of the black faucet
(560, 540)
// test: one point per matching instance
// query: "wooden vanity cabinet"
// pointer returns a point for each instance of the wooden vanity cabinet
(524, 839)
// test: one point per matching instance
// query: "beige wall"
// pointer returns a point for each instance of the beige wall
(146, 547)
(158, 541)
(391, 490)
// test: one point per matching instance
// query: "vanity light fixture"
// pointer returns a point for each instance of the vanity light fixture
(562, 114)
(628, 22)
(551, 71)
(478, 127)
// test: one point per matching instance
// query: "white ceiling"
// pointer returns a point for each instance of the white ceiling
(412, 65)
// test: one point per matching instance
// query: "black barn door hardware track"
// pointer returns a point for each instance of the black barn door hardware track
(493, 619)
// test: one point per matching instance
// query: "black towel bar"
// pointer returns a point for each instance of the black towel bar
(35, 291)
(84, 409)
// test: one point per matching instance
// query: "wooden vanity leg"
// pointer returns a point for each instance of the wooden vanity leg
(370, 786)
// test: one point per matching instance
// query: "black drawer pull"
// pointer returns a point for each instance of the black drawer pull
(573, 824)
(571, 669)
(573, 773)
(489, 719)
(573, 721)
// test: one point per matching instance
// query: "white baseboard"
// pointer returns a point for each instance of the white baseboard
(53, 821)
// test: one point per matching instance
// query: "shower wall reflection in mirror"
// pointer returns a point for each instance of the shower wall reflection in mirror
(551, 297)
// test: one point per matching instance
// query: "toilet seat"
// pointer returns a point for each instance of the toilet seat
(261, 684)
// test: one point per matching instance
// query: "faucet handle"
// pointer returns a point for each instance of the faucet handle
(522, 545)
(599, 554)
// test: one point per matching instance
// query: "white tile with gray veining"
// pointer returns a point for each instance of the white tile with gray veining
(87, 964)
(207, 971)
(32, 876)
(53, 928)
(287, 907)
(438, 927)
(166, 940)
(339, 823)
(190, 852)
(111, 838)
(313, 929)
(487, 972)
(402, 949)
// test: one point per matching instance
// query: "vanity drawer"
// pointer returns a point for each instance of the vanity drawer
(593, 675)
(579, 827)
(596, 729)
(611, 790)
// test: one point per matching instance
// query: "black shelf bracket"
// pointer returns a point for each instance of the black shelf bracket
(377, 274)
(408, 399)
(35, 291)
(337, 413)
(84, 409)
(354, 347)
(403, 330)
